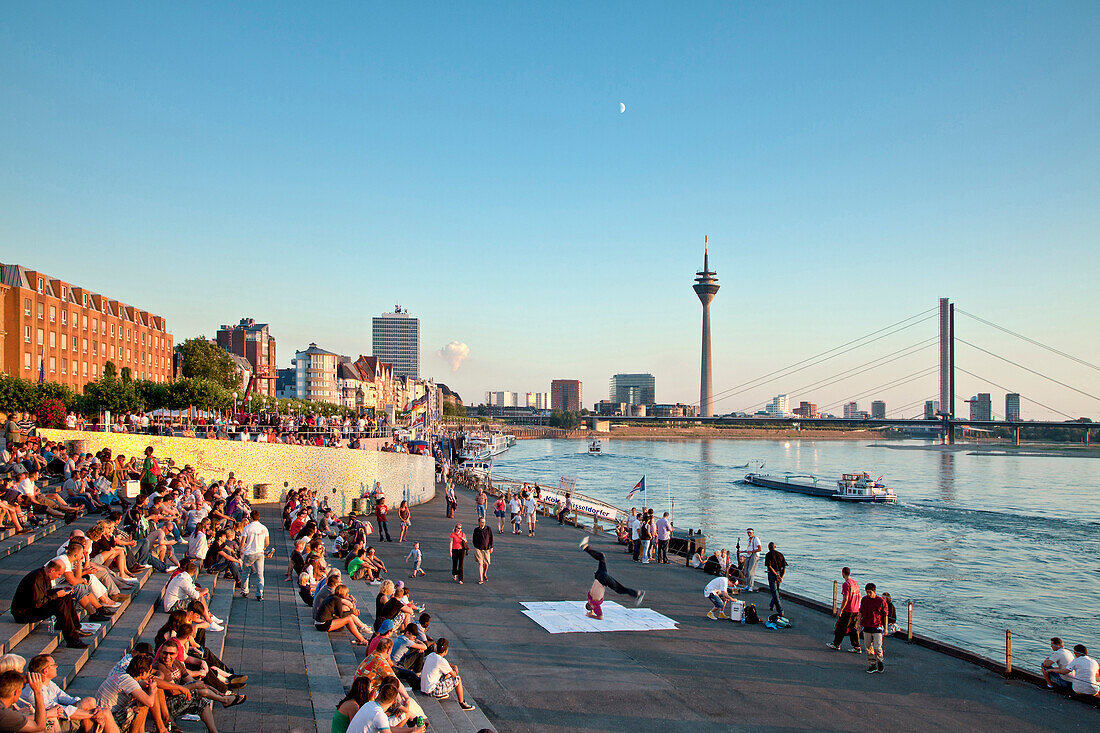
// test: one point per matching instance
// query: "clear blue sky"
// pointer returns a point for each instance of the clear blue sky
(310, 166)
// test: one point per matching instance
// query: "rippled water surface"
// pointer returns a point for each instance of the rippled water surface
(979, 543)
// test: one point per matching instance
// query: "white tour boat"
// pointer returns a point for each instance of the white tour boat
(859, 488)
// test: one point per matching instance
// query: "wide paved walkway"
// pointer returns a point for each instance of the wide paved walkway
(724, 676)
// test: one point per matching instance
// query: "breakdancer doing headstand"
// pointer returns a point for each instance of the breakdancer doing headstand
(603, 580)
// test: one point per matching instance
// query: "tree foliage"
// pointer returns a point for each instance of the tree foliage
(452, 410)
(566, 420)
(201, 359)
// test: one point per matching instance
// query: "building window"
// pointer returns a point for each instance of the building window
(94, 353)
(85, 345)
(63, 292)
(74, 343)
(127, 355)
(85, 305)
(64, 365)
(53, 314)
(112, 330)
(40, 341)
(74, 319)
(127, 334)
(53, 364)
(112, 351)
(40, 285)
(27, 334)
(63, 315)
(85, 323)
(53, 339)
(26, 360)
(41, 312)
(64, 342)
(85, 369)
(142, 339)
(95, 369)
(95, 324)
(103, 328)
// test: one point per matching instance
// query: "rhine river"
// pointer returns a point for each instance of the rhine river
(980, 544)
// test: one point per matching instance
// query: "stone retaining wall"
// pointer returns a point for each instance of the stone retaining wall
(341, 474)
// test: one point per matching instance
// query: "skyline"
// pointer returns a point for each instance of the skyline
(850, 168)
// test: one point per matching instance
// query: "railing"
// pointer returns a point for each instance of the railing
(184, 430)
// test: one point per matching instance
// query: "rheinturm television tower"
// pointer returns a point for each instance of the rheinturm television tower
(706, 287)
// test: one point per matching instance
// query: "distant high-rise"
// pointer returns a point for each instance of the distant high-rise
(565, 394)
(538, 400)
(981, 407)
(706, 287)
(1012, 407)
(501, 399)
(931, 407)
(633, 389)
(315, 375)
(805, 409)
(878, 410)
(851, 411)
(780, 406)
(253, 341)
(395, 339)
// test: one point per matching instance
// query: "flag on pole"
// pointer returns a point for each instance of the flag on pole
(640, 486)
(41, 369)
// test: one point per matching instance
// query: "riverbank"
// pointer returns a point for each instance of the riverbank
(1005, 449)
(704, 675)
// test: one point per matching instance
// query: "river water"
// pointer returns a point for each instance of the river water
(979, 543)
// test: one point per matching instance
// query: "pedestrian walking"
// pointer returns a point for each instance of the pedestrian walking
(515, 509)
(479, 503)
(849, 613)
(645, 538)
(255, 541)
(417, 558)
(405, 515)
(594, 603)
(751, 556)
(530, 508)
(452, 502)
(459, 548)
(499, 512)
(776, 565)
(483, 549)
(872, 617)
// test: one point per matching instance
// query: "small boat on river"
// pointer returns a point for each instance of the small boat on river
(858, 488)
(595, 448)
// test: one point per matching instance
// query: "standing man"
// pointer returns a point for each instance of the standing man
(483, 549)
(776, 565)
(849, 612)
(664, 534)
(452, 503)
(751, 556)
(479, 502)
(148, 472)
(254, 548)
(530, 509)
(380, 512)
(873, 614)
(635, 543)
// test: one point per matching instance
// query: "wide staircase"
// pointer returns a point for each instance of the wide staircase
(329, 659)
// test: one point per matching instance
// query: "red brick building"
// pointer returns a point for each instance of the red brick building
(565, 394)
(68, 333)
(255, 343)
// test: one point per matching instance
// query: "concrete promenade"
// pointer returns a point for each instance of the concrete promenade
(708, 675)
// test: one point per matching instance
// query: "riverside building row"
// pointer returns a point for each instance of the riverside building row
(64, 333)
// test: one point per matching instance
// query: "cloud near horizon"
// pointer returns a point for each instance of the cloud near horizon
(454, 354)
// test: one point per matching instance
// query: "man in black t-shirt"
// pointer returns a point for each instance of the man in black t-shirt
(776, 566)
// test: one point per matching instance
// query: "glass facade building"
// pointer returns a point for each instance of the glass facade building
(632, 389)
(395, 339)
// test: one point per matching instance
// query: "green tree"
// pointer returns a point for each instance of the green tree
(16, 394)
(204, 360)
(127, 375)
(110, 371)
(451, 410)
(109, 394)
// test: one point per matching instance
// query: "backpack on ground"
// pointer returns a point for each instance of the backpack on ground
(775, 621)
(750, 616)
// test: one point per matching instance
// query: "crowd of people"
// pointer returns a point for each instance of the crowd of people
(175, 525)
(400, 652)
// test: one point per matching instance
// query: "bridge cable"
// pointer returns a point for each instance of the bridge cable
(886, 386)
(1030, 340)
(752, 383)
(1021, 366)
(1006, 389)
(849, 373)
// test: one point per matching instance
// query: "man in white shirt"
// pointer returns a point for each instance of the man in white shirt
(1083, 672)
(254, 548)
(530, 509)
(1058, 657)
(181, 590)
(751, 556)
(61, 706)
(439, 677)
(719, 592)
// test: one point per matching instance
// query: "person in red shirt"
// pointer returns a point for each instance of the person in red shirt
(380, 511)
(849, 613)
(873, 614)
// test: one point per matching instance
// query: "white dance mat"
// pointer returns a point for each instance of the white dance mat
(567, 617)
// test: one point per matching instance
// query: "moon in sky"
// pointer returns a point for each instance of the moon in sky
(622, 108)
